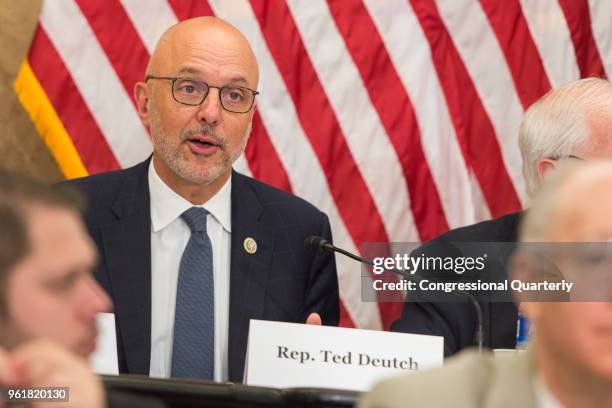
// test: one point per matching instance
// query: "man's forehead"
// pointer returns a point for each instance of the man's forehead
(58, 231)
(230, 77)
(600, 142)
(582, 206)
(191, 42)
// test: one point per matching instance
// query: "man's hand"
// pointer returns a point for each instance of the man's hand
(10, 372)
(314, 319)
(45, 364)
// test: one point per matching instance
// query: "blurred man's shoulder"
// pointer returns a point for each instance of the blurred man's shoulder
(470, 379)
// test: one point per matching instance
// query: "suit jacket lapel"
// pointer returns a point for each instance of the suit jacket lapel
(127, 255)
(248, 272)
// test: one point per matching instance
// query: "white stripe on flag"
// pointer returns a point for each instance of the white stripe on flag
(365, 135)
(97, 81)
(601, 17)
(150, 18)
(242, 166)
(481, 212)
(477, 44)
(552, 38)
(399, 26)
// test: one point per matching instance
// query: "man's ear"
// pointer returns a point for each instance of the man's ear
(532, 310)
(544, 167)
(249, 130)
(142, 98)
(526, 265)
(250, 127)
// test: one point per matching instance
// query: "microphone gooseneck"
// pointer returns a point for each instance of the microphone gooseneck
(321, 245)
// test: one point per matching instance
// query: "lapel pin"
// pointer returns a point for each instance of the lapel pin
(250, 245)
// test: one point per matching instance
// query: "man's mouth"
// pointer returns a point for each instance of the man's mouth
(204, 140)
(203, 145)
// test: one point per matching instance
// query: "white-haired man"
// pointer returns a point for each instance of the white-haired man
(191, 250)
(573, 122)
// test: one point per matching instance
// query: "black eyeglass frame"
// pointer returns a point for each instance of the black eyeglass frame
(208, 86)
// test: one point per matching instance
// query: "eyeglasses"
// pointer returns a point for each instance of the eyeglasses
(570, 156)
(236, 99)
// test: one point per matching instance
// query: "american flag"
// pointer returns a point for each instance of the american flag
(398, 118)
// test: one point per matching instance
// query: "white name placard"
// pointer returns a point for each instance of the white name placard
(287, 355)
(104, 360)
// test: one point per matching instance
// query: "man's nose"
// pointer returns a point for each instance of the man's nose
(93, 299)
(210, 109)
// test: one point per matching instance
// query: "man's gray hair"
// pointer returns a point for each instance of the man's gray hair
(557, 125)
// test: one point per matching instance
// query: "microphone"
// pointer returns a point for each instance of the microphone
(320, 244)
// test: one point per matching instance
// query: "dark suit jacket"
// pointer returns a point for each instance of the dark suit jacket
(456, 321)
(282, 281)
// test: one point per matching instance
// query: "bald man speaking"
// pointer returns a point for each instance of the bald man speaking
(190, 249)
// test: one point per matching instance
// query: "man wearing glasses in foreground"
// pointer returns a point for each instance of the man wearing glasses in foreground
(191, 250)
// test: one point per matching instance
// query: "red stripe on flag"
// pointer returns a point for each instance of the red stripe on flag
(119, 39)
(395, 110)
(263, 159)
(319, 123)
(185, 9)
(474, 129)
(345, 318)
(578, 19)
(522, 56)
(63, 93)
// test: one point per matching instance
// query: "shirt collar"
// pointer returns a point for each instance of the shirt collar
(167, 205)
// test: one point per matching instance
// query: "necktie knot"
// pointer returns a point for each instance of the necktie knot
(195, 217)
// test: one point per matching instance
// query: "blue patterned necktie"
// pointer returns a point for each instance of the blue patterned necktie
(193, 352)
